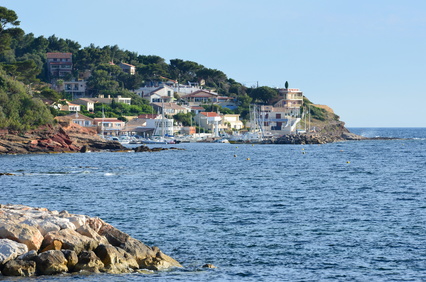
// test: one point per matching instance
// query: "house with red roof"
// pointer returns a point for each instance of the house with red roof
(209, 121)
(200, 97)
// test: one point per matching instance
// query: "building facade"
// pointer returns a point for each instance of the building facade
(59, 64)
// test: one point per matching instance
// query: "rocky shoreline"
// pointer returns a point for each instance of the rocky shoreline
(36, 241)
(66, 138)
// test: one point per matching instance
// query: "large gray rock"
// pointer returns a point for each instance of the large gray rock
(9, 250)
(19, 268)
(138, 250)
(51, 262)
(71, 240)
(44, 226)
(22, 233)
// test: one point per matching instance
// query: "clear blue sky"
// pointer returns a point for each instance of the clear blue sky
(365, 59)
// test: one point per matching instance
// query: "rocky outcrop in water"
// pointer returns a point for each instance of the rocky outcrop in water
(317, 138)
(36, 241)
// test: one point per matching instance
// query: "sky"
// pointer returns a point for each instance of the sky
(364, 59)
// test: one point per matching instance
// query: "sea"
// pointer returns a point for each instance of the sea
(346, 211)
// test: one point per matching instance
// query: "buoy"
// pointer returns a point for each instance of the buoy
(248, 159)
(252, 144)
(303, 149)
(348, 162)
(303, 152)
(235, 156)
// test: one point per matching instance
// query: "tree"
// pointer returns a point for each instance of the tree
(8, 18)
(49, 94)
(263, 94)
(286, 85)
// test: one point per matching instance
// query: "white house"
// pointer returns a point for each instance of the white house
(158, 94)
(209, 120)
(169, 109)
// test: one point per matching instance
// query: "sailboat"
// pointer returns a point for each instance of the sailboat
(159, 139)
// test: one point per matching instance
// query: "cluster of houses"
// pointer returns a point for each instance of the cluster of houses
(169, 98)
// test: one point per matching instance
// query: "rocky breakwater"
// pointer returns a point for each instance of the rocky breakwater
(317, 138)
(36, 241)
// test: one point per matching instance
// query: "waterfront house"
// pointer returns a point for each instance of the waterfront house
(279, 120)
(78, 118)
(209, 121)
(232, 121)
(289, 98)
(109, 126)
(158, 124)
(138, 126)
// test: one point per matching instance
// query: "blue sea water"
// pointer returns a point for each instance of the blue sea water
(343, 211)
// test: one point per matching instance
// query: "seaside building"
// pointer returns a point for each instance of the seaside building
(291, 98)
(77, 118)
(284, 114)
(232, 121)
(109, 126)
(209, 121)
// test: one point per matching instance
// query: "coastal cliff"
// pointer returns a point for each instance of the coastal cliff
(36, 241)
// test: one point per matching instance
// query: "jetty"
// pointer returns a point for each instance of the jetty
(37, 241)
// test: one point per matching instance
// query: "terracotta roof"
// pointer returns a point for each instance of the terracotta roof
(197, 108)
(59, 55)
(210, 114)
(200, 93)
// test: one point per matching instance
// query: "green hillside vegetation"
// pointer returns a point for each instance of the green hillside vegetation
(19, 111)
